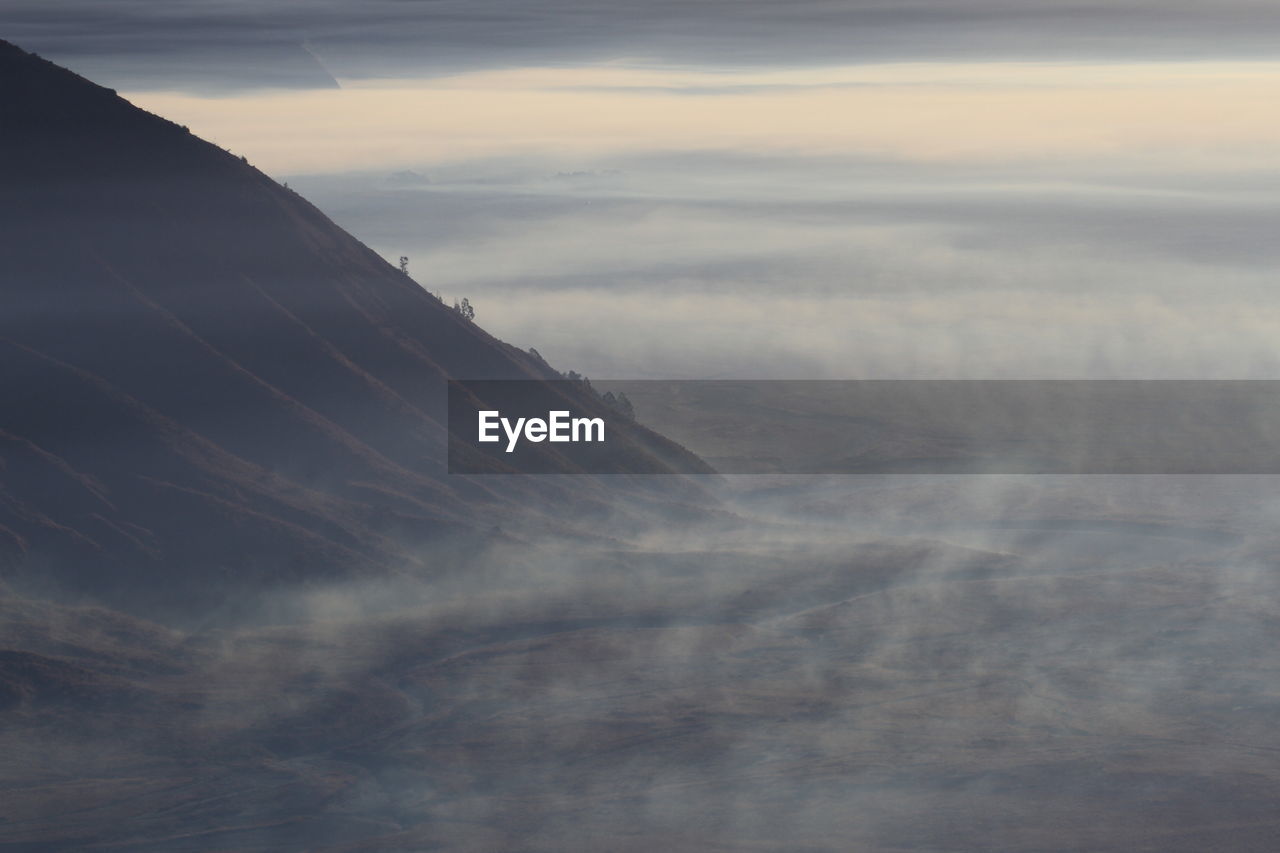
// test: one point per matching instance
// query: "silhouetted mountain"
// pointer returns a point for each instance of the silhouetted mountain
(207, 383)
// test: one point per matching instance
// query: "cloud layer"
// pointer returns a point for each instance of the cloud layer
(702, 265)
(238, 44)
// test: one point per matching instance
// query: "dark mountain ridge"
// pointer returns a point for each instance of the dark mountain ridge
(207, 383)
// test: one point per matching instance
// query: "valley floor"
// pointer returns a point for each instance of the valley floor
(957, 674)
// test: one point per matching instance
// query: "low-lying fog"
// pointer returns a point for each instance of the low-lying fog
(893, 663)
(704, 266)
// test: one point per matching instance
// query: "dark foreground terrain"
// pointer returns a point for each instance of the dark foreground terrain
(1046, 672)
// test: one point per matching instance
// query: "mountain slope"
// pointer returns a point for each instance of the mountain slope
(207, 383)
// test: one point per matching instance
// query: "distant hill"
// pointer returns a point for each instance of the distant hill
(207, 385)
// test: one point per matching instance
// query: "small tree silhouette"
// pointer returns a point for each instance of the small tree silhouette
(404, 264)
(620, 404)
(465, 308)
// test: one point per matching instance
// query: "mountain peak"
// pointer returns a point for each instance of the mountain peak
(208, 384)
(36, 90)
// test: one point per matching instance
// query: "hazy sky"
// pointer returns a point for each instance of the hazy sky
(715, 188)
